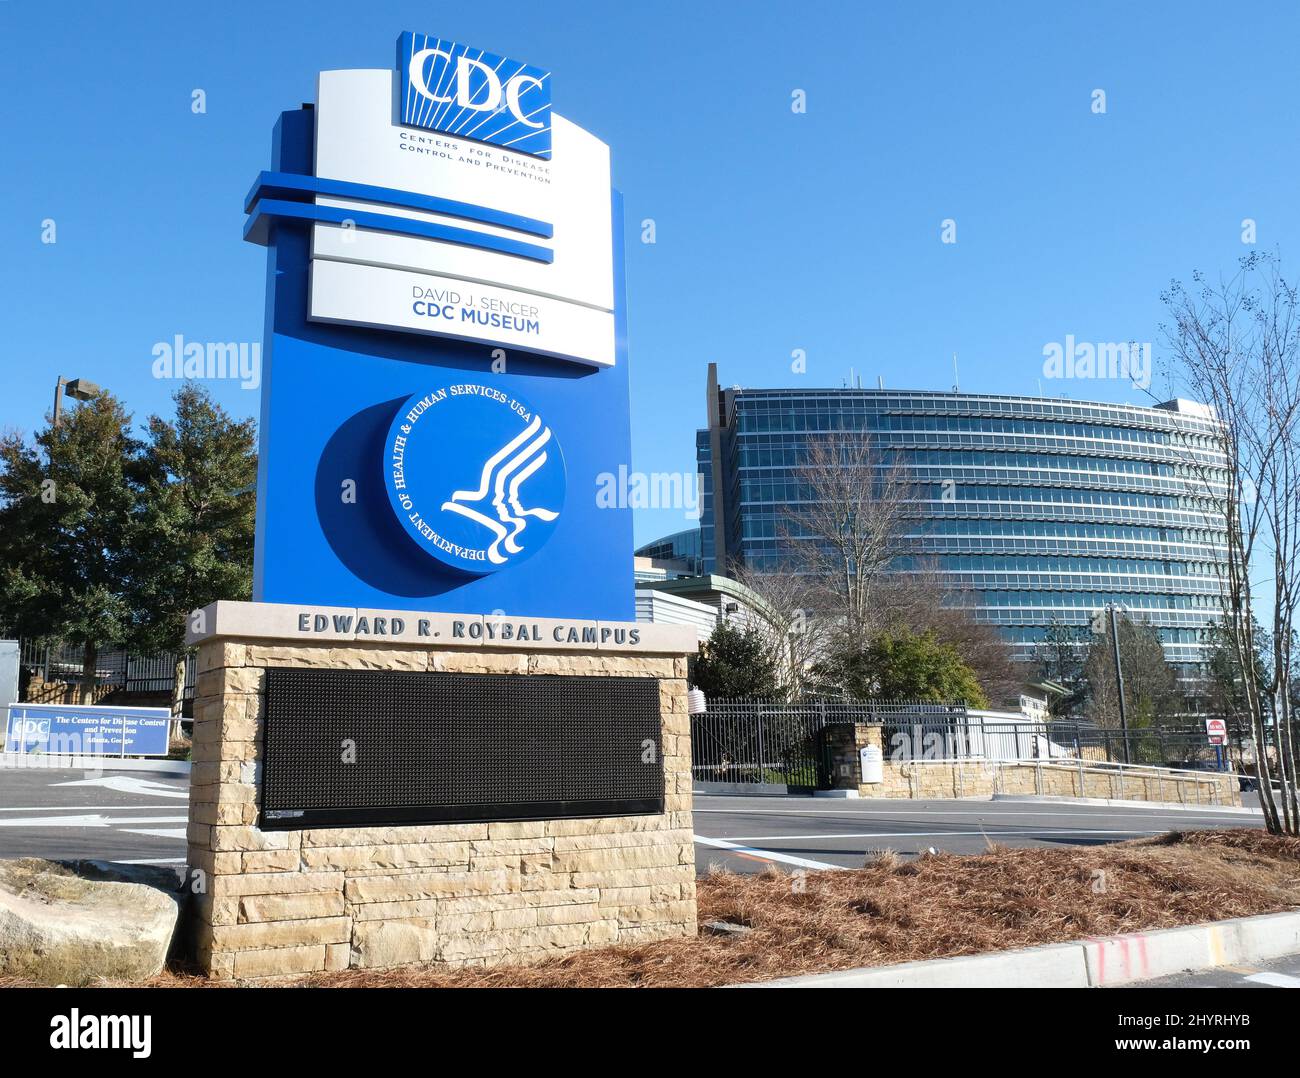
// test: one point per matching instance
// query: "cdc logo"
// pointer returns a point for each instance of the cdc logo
(475, 476)
(25, 732)
(474, 94)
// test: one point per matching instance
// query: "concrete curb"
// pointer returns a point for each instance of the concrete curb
(18, 761)
(1117, 803)
(1103, 962)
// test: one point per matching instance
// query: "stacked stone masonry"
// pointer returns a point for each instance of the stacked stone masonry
(284, 903)
(939, 779)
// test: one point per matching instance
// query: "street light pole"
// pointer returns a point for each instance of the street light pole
(1119, 681)
(58, 400)
(76, 388)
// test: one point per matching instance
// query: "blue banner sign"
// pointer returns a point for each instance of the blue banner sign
(83, 730)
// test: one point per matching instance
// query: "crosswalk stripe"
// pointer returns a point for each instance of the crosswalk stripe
(765, 855)
(1275, 980)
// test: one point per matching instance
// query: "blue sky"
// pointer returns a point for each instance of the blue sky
(775, 231)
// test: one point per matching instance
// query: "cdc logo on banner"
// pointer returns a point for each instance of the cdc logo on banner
(474, 94)
(475, 476)
(90, 730)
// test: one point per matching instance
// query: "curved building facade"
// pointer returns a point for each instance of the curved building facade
(1045, 509)
(682, 546)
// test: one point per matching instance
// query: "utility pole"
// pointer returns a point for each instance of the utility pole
(1119, 681)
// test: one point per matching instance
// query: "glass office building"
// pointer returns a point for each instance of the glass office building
(683, 547)
(1045, 509)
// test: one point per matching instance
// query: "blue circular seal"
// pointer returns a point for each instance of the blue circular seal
(475, 475)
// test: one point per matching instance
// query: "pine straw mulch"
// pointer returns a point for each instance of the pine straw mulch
(892, 910)
(936, 906)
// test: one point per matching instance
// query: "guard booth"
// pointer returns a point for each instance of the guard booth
(8, 672)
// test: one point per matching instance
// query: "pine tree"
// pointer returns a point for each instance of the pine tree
(1150, 683)
(66, 504)
(192, 540)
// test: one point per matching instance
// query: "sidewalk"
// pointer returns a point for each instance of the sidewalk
(1096, 963)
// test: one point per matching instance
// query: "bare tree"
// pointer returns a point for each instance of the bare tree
(793, 636)
(847, 527)
(925, 599)
(1236, 346)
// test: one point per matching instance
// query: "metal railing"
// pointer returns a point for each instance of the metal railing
(1131, 778)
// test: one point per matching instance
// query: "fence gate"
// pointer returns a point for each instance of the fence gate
(768, 744)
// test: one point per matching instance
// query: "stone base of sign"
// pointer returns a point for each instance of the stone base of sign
(1061, 777)
(282, 903)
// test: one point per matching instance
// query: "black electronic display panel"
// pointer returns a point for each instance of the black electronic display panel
(357, 748)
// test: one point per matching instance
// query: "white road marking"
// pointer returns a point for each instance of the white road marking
(942, 834)
(163, 832)
(129, 785)
(1093, 811)
(766, 855)
(88, 820)
(1275, 980)
(57, 821)
(151, 861)
(87, 808)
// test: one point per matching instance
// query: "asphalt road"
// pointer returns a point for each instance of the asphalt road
(1282, 973)
(140, 816)
(747, 834)
(131, 816)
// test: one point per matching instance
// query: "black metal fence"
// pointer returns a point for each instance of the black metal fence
(755, 741)
(115, 668)
(771, 742)
(774, 742)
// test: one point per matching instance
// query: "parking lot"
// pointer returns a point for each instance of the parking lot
(140, 817)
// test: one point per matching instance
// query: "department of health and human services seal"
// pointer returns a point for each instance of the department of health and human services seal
(475, 476)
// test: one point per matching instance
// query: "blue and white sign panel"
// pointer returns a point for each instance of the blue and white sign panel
(444, 384)
(474, 94)
(435, 234)
(84, 730)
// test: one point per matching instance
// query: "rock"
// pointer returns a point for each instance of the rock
(76, 922)
(725, 928)
(163, 877)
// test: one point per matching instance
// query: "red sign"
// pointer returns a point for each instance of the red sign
(1217, 731)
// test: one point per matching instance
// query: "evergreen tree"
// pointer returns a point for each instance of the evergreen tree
(1060, 655)
(735, 662)
(903, 665)
(1150, 683)
(66, 506)
(193, 536)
